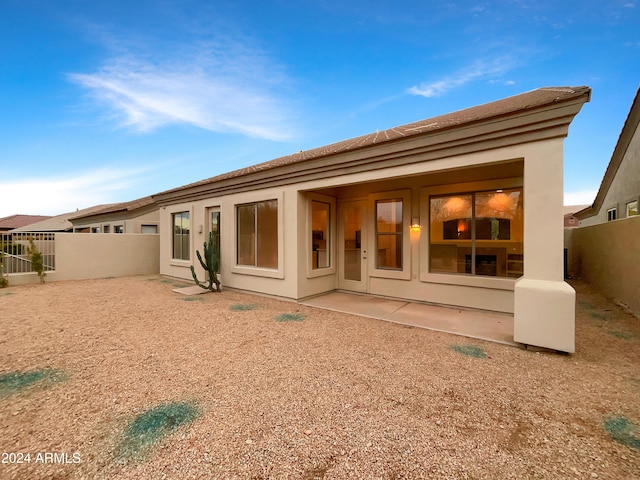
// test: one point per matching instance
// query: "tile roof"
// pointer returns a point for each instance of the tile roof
(59, 223)
(113, 207)
(15, 221)
(501, 108)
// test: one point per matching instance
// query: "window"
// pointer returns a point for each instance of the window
(320, 241)
(148, 229)
(106, 229)
(632, 208)
(389, 234)
(181, 230)
(478, 233)
(612, 214)
(118, 229)
(95, 229)
(257, 240)
(215, 229)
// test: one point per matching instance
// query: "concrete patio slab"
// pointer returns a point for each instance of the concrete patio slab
(192, 290)
(491, 326)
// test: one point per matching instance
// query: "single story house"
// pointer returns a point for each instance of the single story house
(619, 192)
(137, 216)
(463, 209)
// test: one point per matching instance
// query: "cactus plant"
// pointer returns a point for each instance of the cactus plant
(211, 264)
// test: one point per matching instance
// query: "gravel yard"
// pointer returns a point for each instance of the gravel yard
(123, 378)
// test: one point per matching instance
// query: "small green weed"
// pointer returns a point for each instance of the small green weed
(191, 299)
(147, 428)
(15, 381)
(290, 317)
(469, 350)
(241, 307)
(623, 335)
(623, 431)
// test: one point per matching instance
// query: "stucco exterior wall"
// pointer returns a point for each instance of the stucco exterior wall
(80, 256)
(625, 186)
(293, 280)
(131, 223)
(606, 255)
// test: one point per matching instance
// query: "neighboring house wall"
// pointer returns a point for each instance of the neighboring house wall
(625, 187)
(620, 186)
(113, 222)
(606, 255)
(80, 256)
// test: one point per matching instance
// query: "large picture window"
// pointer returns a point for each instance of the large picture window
(477, 233)
(389, 234)
(257, 239)
(181, 231)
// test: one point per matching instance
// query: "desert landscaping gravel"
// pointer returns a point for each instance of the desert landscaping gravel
(124, 378)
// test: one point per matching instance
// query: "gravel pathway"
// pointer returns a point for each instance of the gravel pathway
(123, 378)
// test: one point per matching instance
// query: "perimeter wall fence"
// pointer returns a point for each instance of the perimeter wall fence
(78, 256)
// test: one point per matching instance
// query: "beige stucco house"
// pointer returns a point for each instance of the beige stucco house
(463, 209)
(137, 216)
(619, 192)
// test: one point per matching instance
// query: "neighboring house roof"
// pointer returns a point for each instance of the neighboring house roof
(498, 110)
(16, 221)
(571, 209)
(59, 223)
(628, 130)
(114, 208)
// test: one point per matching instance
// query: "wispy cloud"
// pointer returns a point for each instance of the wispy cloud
(221, 87)
(66, 194)
(480, 70)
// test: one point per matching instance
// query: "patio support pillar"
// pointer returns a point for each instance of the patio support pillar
(544, 304)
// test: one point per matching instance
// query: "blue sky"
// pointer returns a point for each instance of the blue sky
(110, 101)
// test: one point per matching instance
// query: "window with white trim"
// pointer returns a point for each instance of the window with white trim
(632, 208)
(612, 214)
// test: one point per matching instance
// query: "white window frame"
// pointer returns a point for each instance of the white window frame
(628, 207)
(331, 269)
(248, 269)
(405, 272)
(612, 212)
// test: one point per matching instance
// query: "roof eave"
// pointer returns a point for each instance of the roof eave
(548, 120)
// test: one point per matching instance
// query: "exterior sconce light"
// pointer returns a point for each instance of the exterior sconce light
(199, 228)
(415, 223)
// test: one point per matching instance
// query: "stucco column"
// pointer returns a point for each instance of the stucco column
(544, 309)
